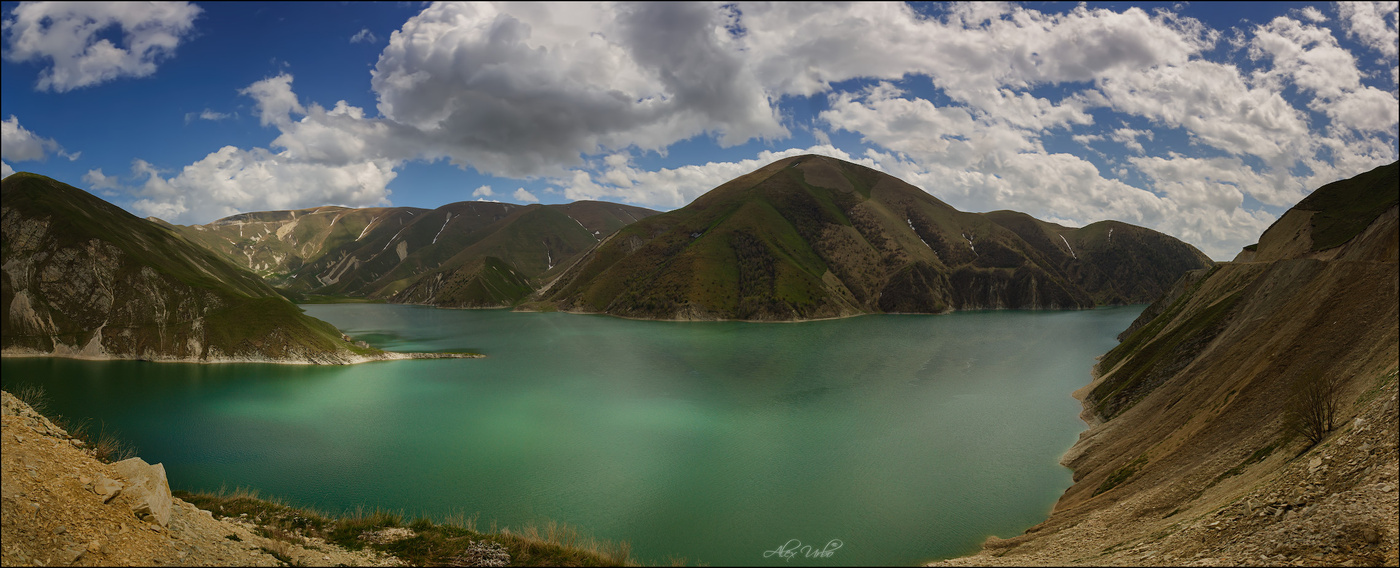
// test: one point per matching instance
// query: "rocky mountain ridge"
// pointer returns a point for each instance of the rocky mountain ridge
(813, 237)
(465, 254)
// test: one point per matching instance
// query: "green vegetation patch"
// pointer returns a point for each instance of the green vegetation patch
(1122, 474)
(1259, 455)
(1345, 208)
(1150, 357)
(457, 542)
(1382, 385)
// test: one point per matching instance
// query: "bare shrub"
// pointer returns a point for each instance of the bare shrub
(1312, 408)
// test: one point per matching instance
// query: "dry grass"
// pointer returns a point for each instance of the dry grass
(548, 543)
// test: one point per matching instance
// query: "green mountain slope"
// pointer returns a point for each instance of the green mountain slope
(812, 237)
(82, 277)
(414, 255)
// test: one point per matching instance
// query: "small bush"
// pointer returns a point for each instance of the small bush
(1312, 407)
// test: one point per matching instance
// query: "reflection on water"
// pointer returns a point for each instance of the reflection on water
(905, 437)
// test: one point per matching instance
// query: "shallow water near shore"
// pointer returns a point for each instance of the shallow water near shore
(898, 439)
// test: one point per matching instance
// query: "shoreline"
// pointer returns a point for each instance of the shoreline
(388, 356)
(686, 320)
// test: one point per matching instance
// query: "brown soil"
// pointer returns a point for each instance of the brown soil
(50, 516)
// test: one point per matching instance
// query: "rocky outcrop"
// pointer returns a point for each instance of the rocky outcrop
(148, 489)
(1192, 455)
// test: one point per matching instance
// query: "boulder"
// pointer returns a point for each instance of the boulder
(108, 489)
(148, 489)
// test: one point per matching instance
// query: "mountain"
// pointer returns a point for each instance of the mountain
(813, 237)
(1198, 449)
(467, 254)
(81, 277)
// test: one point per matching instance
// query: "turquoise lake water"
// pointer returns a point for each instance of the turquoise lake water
(905, 438)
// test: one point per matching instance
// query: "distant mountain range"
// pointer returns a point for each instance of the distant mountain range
(803, 238)
(813, 237)
(467, 254)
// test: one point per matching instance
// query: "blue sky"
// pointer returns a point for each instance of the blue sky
(1204, 120)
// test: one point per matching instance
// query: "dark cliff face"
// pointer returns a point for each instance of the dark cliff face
(82, 277)
(811, 237)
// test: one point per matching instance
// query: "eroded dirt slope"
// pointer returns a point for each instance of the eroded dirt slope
(52, 513)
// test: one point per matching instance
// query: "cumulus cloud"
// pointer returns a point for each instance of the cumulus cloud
(1214, 104)
(322, 160)
(1374, 23)
(19, 144)
(525, 89)
(5, 170)
(525, 196)
(275, 99)
(1129, 138)
(232, 180)
(972, 53)
(66, 37)
(95, 179)
(569, 93)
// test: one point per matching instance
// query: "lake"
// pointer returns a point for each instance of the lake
(904, 437)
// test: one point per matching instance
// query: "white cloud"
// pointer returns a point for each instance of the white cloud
(5, 170)
(95, 179)
(669, 188)
(1085, 139)
(1374, 23)
(364, 36)
(524, 89)
(66, 36)
(275, 99)
(1306, 55)
(1310, 58)
(1213, 103)
(570, 92)
(233, 180)
(327, 157)
(19, 144)
(971, 54)
(522, 195)
(1128, 138)
(210, 115)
